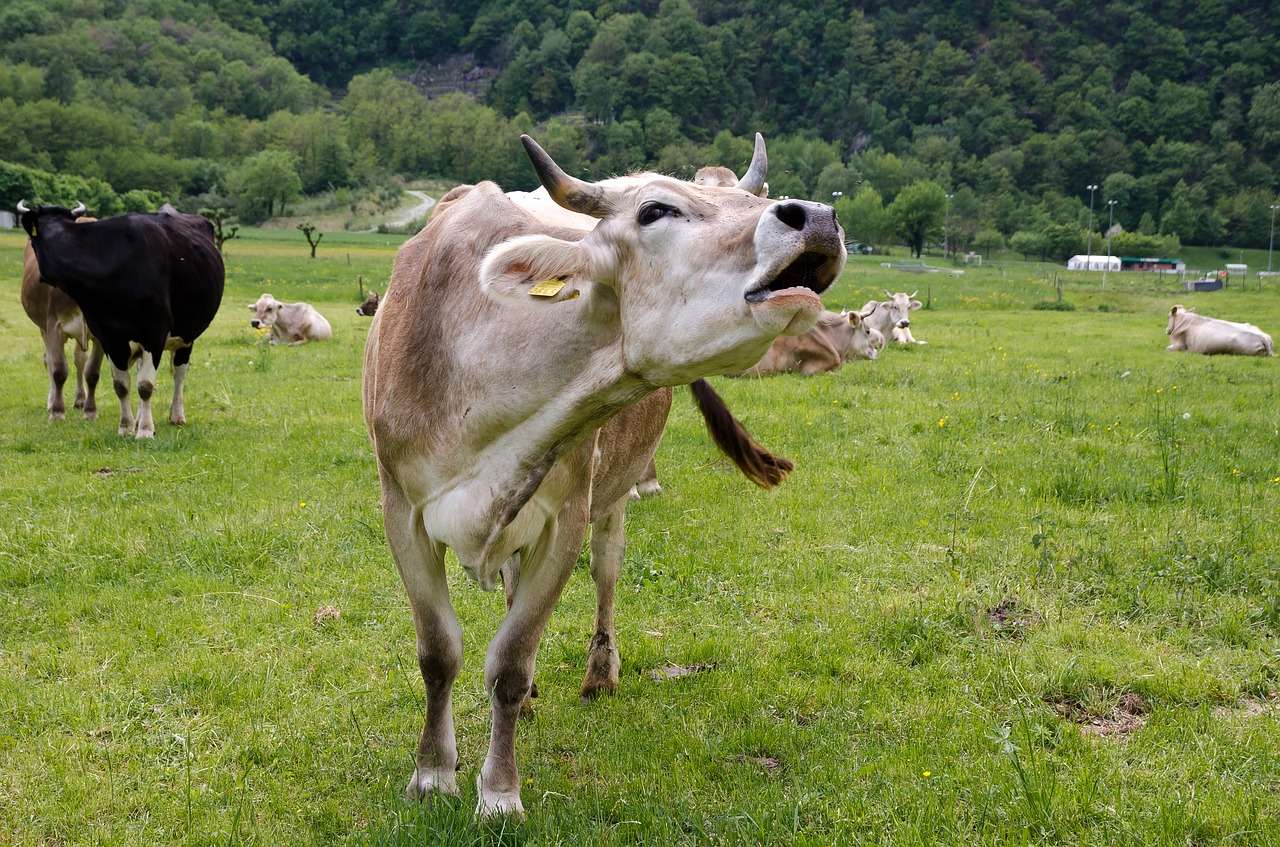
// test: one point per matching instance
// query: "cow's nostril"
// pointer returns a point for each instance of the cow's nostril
(791, 214)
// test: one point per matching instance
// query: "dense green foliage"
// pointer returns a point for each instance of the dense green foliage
(1173, 109)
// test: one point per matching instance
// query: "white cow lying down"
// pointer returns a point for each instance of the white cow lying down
(292, 323)
(1200, 334)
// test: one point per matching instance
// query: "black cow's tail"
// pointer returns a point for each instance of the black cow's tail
(756, 463)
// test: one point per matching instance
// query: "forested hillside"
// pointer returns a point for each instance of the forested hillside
(1013, 108)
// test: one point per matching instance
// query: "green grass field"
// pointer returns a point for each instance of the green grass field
(1023, 587)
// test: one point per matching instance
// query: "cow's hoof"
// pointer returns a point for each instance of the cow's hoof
(498, 803)
(144, 433)
(649, 489)
(428, 781)
(178, 421)
(91, 415)
(57, 416)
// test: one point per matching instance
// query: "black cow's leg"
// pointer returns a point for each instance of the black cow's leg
(181, 361)
(120, 381)
(146, 388)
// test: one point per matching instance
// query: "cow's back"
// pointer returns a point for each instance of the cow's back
(197, 275)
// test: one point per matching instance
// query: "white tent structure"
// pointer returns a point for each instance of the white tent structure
(1093, 263)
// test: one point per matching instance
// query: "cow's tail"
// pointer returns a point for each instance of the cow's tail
(756, 463)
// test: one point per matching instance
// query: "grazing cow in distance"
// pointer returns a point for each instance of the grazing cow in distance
(60, 320)
(836, 338)
(369, 307)
(512, 393)
(145, 282)
(292, 323)
(892, 317)
(1199, 334)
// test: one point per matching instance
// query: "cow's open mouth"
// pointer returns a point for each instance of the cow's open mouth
(810, 270)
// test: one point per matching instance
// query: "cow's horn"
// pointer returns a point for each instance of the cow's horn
(568, 191)
(753, 180)
(886, 293)
(22, 206)
(78, 210)
(914, 293)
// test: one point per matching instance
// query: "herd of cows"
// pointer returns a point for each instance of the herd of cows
(517, 377)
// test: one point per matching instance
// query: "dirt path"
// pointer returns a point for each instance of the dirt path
(407, 217)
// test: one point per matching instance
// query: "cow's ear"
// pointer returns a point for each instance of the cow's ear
(534, 269)
(854, 318)
(915, 304)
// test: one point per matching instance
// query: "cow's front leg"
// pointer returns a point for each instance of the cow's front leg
(120, 382)
(420, 562)
(146, 388)
(508, 669)
(510, 579)
(608, 549)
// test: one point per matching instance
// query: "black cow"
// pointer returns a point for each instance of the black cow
(146, 283)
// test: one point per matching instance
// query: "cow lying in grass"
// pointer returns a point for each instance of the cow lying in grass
(291, 323)
(836, 338)
(1199, 334)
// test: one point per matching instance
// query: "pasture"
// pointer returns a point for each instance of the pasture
(1023, 587)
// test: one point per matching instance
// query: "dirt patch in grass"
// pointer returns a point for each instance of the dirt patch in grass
(1129, 714)
(1012, 618)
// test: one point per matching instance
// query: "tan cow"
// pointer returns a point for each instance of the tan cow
(60, 320)
(292, 323)
(836, 338)
(369, 307)
(892, 317)
(1199, 334)
(512, 392)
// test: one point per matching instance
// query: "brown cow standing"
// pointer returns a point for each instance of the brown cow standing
(499, 372)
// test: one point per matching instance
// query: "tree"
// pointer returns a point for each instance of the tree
(917, 214)
(307, 228)
(863, 216)
(222, 231)
(988, 241)
(261, 182)
(1029, 244)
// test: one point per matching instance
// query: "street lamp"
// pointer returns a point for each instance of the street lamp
(1111, 207)
(1088, 251)
(946, 227)
(1272, 243)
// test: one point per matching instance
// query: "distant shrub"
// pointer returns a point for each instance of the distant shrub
(1051, 306)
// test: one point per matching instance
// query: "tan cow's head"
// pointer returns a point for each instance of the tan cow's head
(700, 279)
(265, 312)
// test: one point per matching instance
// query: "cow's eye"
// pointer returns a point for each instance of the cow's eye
(651, 212)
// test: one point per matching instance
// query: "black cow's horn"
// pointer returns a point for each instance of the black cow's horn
(22, 206)
(753, 180)
(78, 210)
(570, 192)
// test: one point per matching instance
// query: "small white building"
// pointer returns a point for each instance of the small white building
(1093, 263)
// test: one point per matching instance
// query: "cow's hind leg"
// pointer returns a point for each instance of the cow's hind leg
(420, 562)
(181, 361)
(55, 363)
(120, 382)
(508, 669)
(146, 389)
(608, 549)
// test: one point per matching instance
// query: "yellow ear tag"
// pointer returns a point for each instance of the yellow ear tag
(33, 232)
(549, 288)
